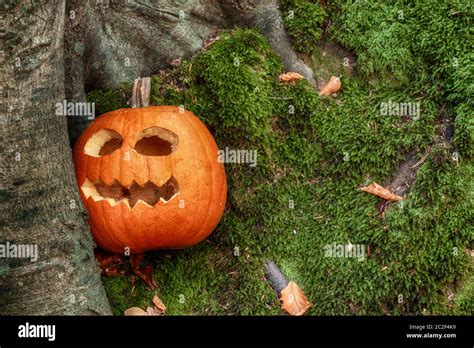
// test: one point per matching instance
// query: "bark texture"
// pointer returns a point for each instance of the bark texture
(39, 199)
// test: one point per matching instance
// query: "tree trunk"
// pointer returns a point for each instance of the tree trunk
(40, 204)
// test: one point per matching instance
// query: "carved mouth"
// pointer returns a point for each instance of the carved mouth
(149, 194)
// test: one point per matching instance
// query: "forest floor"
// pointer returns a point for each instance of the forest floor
(314, 154)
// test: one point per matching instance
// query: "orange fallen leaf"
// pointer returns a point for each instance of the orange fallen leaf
(333, 85)
(294, 302)
(290, 77)
(153, 311)
(382, 192)
(134, 311)
(159, 305)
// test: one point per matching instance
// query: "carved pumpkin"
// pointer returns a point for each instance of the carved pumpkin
(150, 179)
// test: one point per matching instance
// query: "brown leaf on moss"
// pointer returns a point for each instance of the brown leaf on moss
(105, 259)
(209, 41)
(382, 192)
(333, 85)
(175, 62)
(145, 273)
(134, 311)
(159, 305)
(109, 264)
(112, 272)
(136, 260)
(153, 311)
(290, 77)
(293, 300)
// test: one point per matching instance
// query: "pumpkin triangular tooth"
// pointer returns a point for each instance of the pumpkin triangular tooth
(112, 202)
(107, 181)
(88, 188)
(126, 201)
(171, 198)
(141, 201)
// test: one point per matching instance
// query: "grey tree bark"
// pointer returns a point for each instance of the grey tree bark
(40, 204)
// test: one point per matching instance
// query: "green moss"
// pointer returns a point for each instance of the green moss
(236, 75)
(108, 100)
(464, 130)
(314, 154)
(303, 21)
(119, 290)
(428, 52)
(464, 300)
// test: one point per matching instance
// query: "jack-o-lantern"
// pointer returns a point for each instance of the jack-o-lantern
(150, 179)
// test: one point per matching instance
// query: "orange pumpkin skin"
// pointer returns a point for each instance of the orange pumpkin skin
(182, 221)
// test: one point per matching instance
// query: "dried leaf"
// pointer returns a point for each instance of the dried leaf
(146, 274)
(290, 77)
(153, 311)
(112, 271)
(105, 259)
(294, 302)
(353, 308)
(109, 263)
(159, 305)
(333, 85)
(209, 41)
(135, 311)
(381, 192)
(176, 62)
(136, 260)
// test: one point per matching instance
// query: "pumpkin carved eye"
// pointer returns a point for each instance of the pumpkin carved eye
(156, 141)
(103, 143)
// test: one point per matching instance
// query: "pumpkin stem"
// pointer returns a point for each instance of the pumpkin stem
(141, 92)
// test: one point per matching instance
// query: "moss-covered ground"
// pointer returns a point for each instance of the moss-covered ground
(314, 153)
